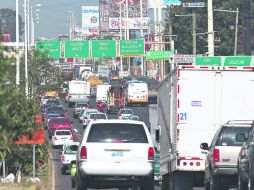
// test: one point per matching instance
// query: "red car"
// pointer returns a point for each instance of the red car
(58, 122)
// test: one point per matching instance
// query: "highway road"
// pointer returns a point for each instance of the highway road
(63, 182)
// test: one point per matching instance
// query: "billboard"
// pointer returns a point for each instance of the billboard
(90, 20)
(110, 15)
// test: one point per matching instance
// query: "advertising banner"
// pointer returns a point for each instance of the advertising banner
(104, 15)
(90, 20)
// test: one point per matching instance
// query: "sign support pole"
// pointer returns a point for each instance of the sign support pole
(33, 160)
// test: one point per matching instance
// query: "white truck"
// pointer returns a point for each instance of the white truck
(102, 93)
(78, 91)
(193, 102)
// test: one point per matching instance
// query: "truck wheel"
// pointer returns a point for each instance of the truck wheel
(81, 183)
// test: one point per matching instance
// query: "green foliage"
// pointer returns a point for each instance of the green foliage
(224, 27)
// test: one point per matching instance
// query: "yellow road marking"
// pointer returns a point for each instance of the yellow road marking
(53, 180)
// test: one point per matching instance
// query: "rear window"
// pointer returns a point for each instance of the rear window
(63, 133)
(56, 109)
(228, 136)
(71, 149)
(98, 116)
(117, 133)
(61, 120)
(126, 112)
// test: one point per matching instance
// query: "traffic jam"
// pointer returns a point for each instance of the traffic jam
(103, 142)
(99, 138)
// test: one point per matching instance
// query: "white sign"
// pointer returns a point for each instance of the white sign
(194, 4)
(182, 58)
(134, 23)
(90, 20)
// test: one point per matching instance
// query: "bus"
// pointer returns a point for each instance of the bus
(136, 92)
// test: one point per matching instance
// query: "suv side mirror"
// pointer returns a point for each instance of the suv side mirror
(157, 135)
(204, 146)
(240, 137)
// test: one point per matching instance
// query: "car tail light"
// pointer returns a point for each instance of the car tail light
(55, 139)
(83, 152)
(88, 97)
(62, 158)
(216, 155)
(71, 137)
(150, 153)
(70, 96)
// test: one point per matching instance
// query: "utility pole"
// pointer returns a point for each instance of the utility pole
(17, 43)
(247, 22)
(210, 28)
(141, 34)
(26, 44)
(194, 41)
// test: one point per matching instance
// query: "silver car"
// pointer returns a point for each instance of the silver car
(222, 156)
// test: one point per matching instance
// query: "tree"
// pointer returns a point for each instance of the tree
(224, 27)
(8, 23)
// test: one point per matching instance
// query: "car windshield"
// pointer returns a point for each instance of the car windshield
(98, 116)
(63, 133)
(53, 102)
(228, 136)
(55, 109)
(125, 112)
(117, 133)
(60, 120)
(53, 115)
(71, 149)
(82, 105)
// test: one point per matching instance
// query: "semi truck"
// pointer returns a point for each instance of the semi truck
(193, 102)
(78, 91)
(115, 98)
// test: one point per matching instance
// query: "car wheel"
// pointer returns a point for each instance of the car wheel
(73, 183)
(215, 182)
(241, 184)
(81, 183)
(63, 171)
(250, 180)
(147, 183)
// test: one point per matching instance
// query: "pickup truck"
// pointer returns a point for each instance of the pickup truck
(68, 154)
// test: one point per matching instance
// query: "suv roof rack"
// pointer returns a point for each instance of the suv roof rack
(240, 122)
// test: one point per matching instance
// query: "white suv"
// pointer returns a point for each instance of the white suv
(115, 154)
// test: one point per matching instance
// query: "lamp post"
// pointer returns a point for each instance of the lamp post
(210, 28)
(32, 21)
(17, 43)
(26, 43)
(194, 35)
(236, 25)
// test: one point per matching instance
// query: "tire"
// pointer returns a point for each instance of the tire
(147, 183)
(81, 182)
(241, 184)
(63, 171)
(250, 179)
(215, 183)
(73, 183)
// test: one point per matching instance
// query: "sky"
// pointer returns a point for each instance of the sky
(53, 14)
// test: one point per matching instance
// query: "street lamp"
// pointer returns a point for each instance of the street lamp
(236, 25)
(194, 35)
(32, 21)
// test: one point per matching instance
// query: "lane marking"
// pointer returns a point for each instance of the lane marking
(53, 180)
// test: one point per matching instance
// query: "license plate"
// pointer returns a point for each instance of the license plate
(117, 154)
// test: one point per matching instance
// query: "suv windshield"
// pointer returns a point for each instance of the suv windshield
(228, 136)
(117, 133)
(98, 116)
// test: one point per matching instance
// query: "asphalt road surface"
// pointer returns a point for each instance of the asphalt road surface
(63, 182)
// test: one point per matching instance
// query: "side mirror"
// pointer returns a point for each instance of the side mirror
(241, 137)
(157, 135)
(204, 146)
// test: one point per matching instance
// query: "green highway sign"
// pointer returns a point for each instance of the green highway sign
(76, 49)
(52, 47)
(237, 61)
(225, 61)
(132, 48)
(158, 55)
(208, 61)
(103, 48)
